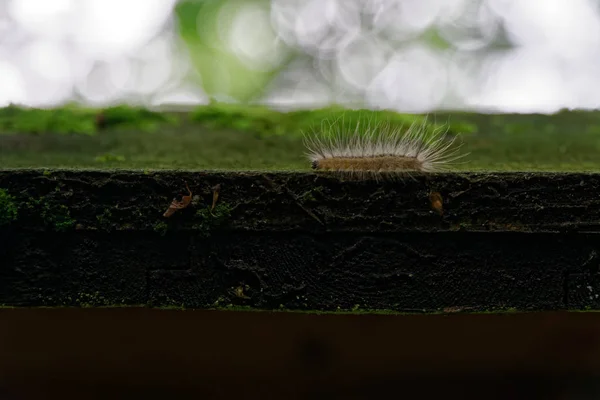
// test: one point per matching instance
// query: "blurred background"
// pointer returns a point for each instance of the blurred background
(203, 80)
(404, 55)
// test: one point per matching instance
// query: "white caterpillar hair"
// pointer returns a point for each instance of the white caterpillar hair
(382, 150)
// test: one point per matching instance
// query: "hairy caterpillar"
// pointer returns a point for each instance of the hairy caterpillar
(382, 150)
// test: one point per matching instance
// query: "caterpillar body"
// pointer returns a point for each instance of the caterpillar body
(382, 151)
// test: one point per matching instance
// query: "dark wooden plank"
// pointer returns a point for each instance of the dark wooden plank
(126, 200)
(301, 241)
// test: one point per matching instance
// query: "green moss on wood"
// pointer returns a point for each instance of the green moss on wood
(58, 217)
(53, 215)
(311, 195)
(14, 119)
(8, 208)
(73, 119)
(161, 228)
(209, 220)
(264, 121)
(137, 118)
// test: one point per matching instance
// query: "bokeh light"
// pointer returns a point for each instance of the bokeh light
(407, 55)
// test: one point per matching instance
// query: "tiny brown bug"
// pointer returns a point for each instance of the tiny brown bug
(436, 202)
(216, 190)
(178, 205)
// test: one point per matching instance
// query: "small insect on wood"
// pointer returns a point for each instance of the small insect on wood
(179, 205)
(216, 190)
(436, 202)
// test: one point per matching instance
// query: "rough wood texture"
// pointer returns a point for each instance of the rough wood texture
(302, 241)
(132, 353)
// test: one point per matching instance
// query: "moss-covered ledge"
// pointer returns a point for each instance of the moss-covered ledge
(299, 241)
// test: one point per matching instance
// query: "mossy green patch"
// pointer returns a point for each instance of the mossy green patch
(209, 220)
(309, 196)
(73, 119)
(58, 216)
(264, 121)
(256, 119)
(14, 119)
(161, 228)
(135, 118)
(52, 214)
(8, 208)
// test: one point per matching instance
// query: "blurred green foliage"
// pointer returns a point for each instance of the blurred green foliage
(203, 26)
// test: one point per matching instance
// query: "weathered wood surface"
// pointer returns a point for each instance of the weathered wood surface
(302, 241)
(125, 353)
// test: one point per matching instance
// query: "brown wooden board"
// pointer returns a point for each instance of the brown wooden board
(131, 353)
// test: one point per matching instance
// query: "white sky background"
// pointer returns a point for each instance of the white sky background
(106, 51)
